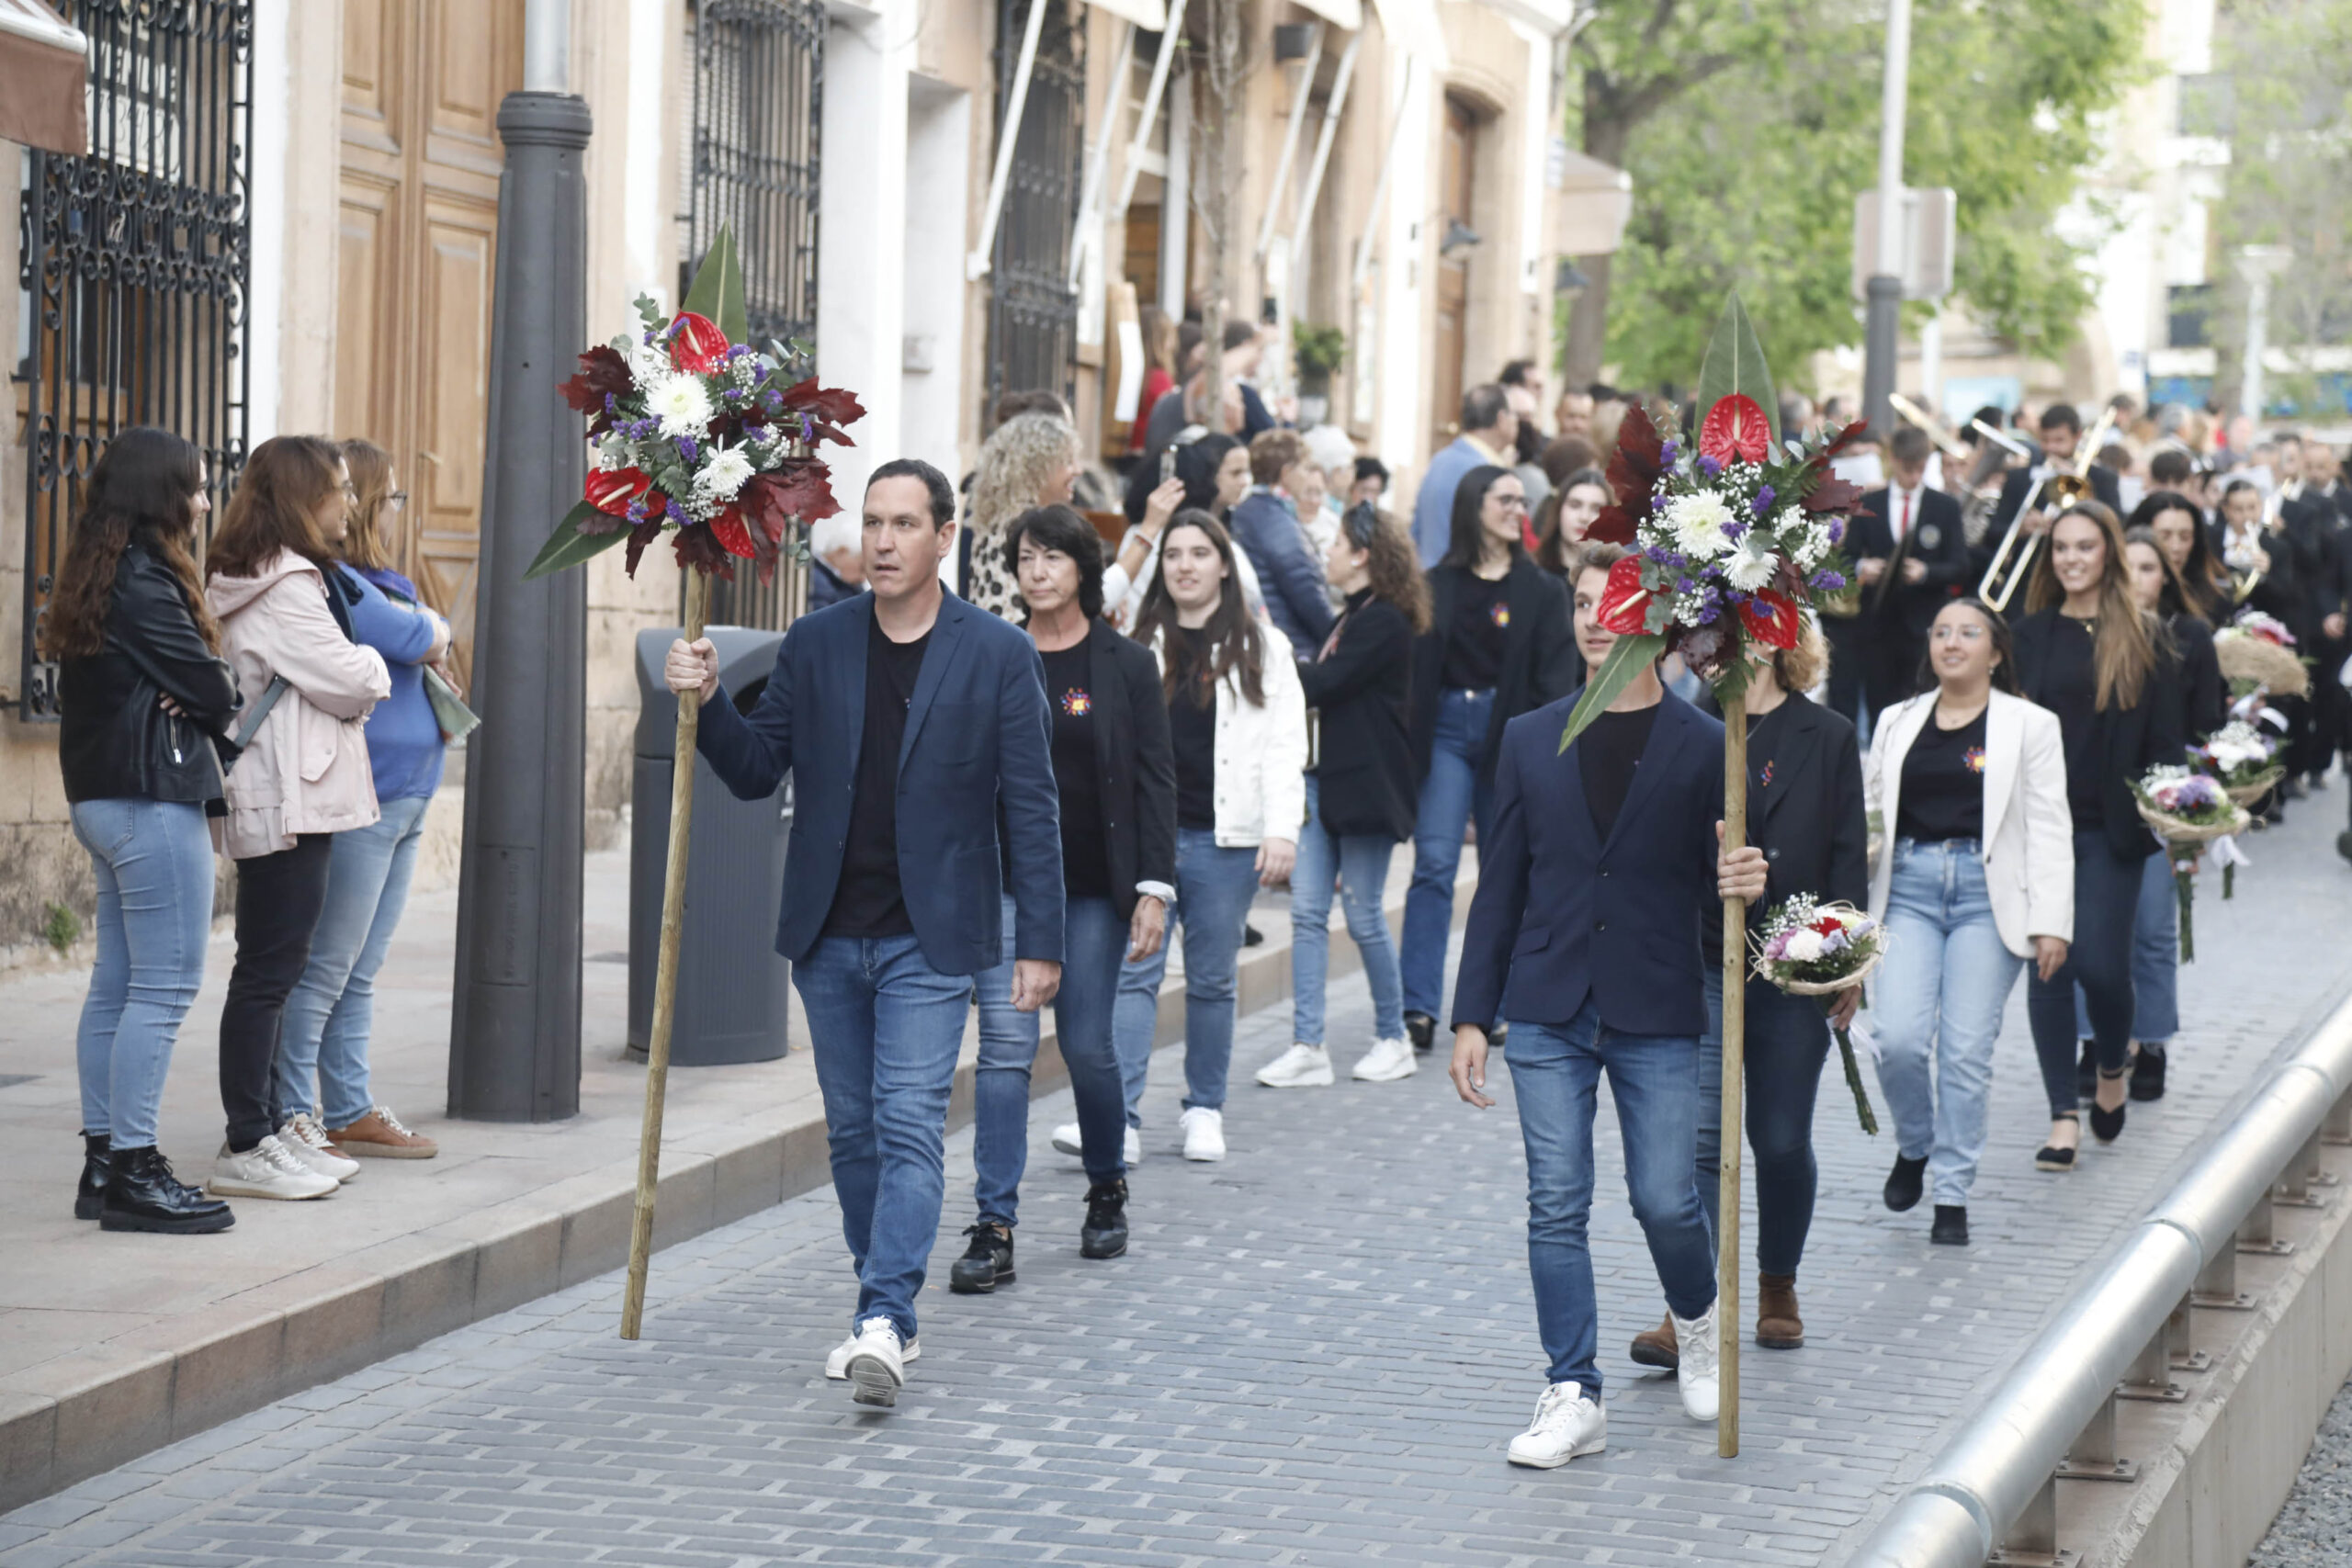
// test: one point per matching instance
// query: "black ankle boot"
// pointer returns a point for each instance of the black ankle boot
(1422, 1029)
(1104, 1235)
(1952, 1225)
(143, 1195)
(98, 1164)
(986, 1264)
(1904, 1183)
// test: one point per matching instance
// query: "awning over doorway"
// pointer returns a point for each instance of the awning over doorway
(1345, 14)
(44, 69)
(1151, 16)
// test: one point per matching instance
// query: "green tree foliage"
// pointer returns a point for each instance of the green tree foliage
(1747, 154)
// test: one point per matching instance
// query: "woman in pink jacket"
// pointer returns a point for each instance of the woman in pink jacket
(303, 778)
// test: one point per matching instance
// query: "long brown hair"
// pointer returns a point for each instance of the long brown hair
(1393, 565)
(1234, 642)
(375, 539)
(143, 490)
(2127, 639)
(276, 507)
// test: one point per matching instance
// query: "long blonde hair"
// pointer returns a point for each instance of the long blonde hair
(2129, 636)
(374, 541)
(1013, 466)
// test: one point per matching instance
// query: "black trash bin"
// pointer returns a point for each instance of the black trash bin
(733, 986)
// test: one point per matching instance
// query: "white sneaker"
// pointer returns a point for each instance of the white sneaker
(1700, 1370)
(307, 1141)
(1388, 1061)
(1203, 1134)
(1300, 1066)
(268, 1169)
(878, 1365)
(1067, 1141)
(1567, 1426)
(837, 1359)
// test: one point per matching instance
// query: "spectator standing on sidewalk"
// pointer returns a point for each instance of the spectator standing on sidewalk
(1358, 794)
(303, 778)
(1030, 460)
(1585, 934)
(1270, 530)
(323, 1087)
(909, 721)
(1238, 727)
(1116, 780)
(142, 692)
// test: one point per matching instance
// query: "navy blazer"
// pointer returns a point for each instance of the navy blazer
(977, 733)
(1561, 917)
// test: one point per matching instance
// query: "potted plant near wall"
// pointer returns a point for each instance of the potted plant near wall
(1318, 352)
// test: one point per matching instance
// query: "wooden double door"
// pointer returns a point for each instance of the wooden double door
(417, 241)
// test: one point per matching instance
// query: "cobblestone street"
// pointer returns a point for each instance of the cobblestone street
(1313, 1354)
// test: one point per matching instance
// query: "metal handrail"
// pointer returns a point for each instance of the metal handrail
(2000, 1467)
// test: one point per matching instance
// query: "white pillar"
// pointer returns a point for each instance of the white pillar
(861, 263)
(1403, 423)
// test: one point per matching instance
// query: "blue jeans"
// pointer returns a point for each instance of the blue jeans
(1785, 1042)
(329, 1017)
(2155, 963)
(1359, 864)
(1555, 1076)
(1453, 796)
(885, 1027)
(1094, 940)
(153, 860)
(1940, 992)
(1214, 887)
(2107, 898)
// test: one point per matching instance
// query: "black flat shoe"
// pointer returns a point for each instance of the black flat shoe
(2050, 1156)
(2148, 1076)
(97, 1164)
(2108, 1125)
(143, 1195)
(1905, 1184)
(1104, 1235)
(1952, 1225)
(986, 1264)
(1422, 1029)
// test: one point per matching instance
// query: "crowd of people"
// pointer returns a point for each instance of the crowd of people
(1138, 708)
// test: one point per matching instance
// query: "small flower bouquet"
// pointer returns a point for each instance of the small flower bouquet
(2257, 652)
(1811, 948)
(2245, 763)
(2187, 810)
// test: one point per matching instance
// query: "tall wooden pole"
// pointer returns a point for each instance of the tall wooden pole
(665, 971)
(1728, 1139)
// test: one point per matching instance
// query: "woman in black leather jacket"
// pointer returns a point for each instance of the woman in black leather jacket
(144, 697)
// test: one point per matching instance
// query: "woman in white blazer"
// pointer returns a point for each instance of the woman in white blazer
(1977, 877)
(1237, 721)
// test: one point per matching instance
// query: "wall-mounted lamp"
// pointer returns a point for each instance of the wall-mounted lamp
(1459, 237)
(1568, 279)
(1293, 40)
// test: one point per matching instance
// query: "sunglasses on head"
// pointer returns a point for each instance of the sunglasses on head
(1361, 524)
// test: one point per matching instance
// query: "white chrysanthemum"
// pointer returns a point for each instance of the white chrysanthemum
(1804, 946)
(681, 402)
(1697, 522)
(1751, 565)
(724, 471)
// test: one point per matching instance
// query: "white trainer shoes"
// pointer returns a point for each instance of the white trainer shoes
(1567, 1425)
(837, 1359)
(878, 1364)
(1203, 1134)
(1067, 1140)
(1388, 1061)
(1701, 1372)
(1300, 1066)
(268, 1169)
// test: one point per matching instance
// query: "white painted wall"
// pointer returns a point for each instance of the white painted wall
(937, 217)
(1400, 424)
(860, 267)
(267, 193)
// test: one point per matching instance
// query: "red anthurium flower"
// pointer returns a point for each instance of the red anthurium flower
(729, 529)
(697, 344)
(1736, 428)
(1625, 605)
(1771, 620)
(611, 490)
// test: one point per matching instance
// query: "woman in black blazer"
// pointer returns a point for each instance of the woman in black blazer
(1805, 812)
(2090, 654)
(1360, 798)
(1500, 643)
(1114, 771)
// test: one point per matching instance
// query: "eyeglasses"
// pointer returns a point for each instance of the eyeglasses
(397, 500)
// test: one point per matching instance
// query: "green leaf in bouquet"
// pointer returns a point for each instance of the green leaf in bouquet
(717, 291)
(1734, 364)
(568, 546)
(1628, 658)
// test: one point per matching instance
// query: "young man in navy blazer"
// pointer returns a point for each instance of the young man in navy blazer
(906, 718)
(1584, 935)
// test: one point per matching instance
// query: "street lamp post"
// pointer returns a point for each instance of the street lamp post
(1883, 323)
(515, 1029)
(2257, 264)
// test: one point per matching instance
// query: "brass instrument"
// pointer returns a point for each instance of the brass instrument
(2003, 577)
(1912, 413)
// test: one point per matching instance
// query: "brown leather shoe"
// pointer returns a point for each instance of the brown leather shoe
(379, 1135)
(1778, 1327)
(1656, 1348)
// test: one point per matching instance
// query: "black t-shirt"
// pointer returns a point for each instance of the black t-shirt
(1192, 729)
(1943, 784)
(1473, 643)
(2069, 689)
(1607, 753)
(1085, 868)
(868, 902)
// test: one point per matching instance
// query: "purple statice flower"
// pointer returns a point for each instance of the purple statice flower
(689, 448)
(1835, 941)
(1836, 530)
(738, 350)
(732, 394)
(1708, 466)
(648, 336)
(1683, 587)
(772, 401)
(612, 402)
(1735, 530)
(807, 430)
(1765, 496)
(1668, 451)
(1827, 581)
(637, 510)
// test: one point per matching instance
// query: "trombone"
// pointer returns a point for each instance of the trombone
(2003, 577)
(1912, 413)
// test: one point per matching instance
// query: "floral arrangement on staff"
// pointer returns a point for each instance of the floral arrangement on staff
(1732, 533)
(711, 441)
(2257, 652)
(2187, 810)
(1809, 948)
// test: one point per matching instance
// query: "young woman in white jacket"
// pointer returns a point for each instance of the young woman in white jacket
(1977, 878)
(1238, 721)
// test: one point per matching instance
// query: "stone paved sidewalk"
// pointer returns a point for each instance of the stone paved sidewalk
(1312, 1355)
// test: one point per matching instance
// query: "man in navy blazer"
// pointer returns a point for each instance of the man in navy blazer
(1584, 936)
(908, 719)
